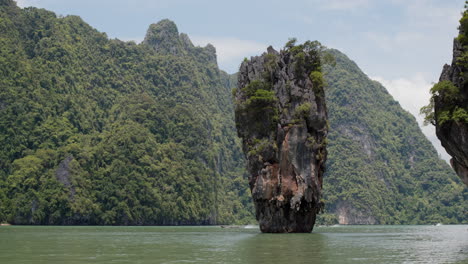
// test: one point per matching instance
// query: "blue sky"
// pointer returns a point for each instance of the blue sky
(401, 43)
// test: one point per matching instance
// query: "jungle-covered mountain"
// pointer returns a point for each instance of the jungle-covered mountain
(100, 131)
(381, 169)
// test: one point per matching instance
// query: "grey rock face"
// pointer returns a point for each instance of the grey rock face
(452, 134)
(164, 38)
(348, 215)
(281, 117)
(211, 52)
(63, 174)
(186, 42)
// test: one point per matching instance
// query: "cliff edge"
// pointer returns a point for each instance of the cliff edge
(450, 104)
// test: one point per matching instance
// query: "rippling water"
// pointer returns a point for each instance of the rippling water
(340, 244)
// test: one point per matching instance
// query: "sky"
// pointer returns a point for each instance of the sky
(403, 44)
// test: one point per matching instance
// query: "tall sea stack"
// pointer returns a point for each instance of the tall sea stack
(281, 117)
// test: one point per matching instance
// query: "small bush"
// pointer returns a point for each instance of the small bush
(255, 85)
(443, 117)
(302, 110)
(446, 90)
(261, 98)
(317, 79)
(460, 115)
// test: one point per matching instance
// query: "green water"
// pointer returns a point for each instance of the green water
(341, 244)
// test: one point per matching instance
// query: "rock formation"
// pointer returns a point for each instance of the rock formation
(450, 97)
(164, 38)
(281, 117)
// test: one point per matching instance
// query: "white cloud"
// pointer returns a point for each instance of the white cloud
(424, 29)
(26, 3)
(231, 51)
(134, 39)
(341, 4)
(425, 11)
(413, 93)
(392, 42)
(306, 19)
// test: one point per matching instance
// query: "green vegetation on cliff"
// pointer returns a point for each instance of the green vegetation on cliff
(381, 168)
(452, 104)
(448, 105)
(99, 131)
(281, 117)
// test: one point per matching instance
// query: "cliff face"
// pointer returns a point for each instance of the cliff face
(453, 133)
(281, 117)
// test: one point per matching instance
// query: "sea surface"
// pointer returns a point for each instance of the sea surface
(336, 244)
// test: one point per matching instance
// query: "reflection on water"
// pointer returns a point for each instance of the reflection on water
(283, 248)
(341, 244)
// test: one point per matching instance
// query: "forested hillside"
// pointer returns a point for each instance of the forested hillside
(100, 131)
(381, 168)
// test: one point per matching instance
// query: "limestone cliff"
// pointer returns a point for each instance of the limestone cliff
(164, 38)
(450, 99)
(281, 117)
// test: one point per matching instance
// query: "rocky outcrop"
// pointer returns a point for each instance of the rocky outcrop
(453, 133)
(349, 215)
(281, 117)
(63, 174)
(164, 38)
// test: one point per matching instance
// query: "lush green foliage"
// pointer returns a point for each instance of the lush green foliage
(379, 161)
(463, 28)
(302, 110)
(99, 131)
(305, 64)
(318, 82)
(255, 86)
(260, 107)
(447, 89)
(450, 98)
